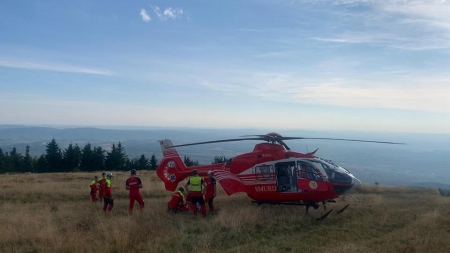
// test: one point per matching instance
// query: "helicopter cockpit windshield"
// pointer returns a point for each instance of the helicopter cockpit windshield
(333, 172)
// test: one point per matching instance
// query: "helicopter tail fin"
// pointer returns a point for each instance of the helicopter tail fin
(312, 153)
(171, 169)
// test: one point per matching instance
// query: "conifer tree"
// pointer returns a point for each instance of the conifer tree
(41, 166)
(143, 163)
(98, 159)
(189, 162)
(72, 158)
(153, 162)
(219, 159)
(53, 157)
(2, 162)
(116, 159)
(16, 161)
(28, 161)
(86, 163)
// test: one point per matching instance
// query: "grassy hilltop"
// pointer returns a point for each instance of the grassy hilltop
(53, 213)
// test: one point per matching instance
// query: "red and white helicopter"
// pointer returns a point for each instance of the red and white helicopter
(271, 173)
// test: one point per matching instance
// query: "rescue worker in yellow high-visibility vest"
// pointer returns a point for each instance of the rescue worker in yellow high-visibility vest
(196, 187)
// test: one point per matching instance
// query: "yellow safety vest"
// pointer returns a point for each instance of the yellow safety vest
(93, 182)
(196, 184)
(108, 183)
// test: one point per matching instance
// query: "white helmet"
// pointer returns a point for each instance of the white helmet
(209, 172)
(109, 174)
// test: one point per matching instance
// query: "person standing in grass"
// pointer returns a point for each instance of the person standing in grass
(108, 201)
(94, 188)
(133, 184)
(196, 186)
(211, 190)
(102, 187)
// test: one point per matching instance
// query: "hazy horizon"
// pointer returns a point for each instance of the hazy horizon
(423, 159)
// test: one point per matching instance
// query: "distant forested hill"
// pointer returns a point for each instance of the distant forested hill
(423, 159)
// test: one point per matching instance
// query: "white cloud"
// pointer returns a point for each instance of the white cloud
(145, 16)
(173, 13)
(169, 12)
(21, 64)
(402, 24)
(158, 13)
(413, 91)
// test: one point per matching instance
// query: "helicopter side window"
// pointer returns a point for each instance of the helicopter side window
(264, 170)
(307, 171)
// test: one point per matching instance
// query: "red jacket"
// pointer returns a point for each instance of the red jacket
(177, 199)
(133, 183)
(210, 185)
(102, 185)
(94, 186)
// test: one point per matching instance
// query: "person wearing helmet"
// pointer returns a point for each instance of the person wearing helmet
(133, 184)
(94, 188)
(102, 187)
(177, 202)
(211, 190)
(196, 187)
(108, 201)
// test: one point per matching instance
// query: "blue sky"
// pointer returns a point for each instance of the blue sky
(341, 64)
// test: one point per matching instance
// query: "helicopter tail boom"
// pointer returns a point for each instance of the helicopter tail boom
(172, 169)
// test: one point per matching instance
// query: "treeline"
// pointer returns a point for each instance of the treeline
(444, 192)
(73, 159)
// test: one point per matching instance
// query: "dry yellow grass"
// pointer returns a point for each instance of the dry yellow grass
(53, 213)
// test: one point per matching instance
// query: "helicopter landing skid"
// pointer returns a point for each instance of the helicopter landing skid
(324, 216)
(280, 203)
(342, 209)
(308, 205)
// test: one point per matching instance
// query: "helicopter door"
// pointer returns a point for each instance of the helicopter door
(286, 173)
(309, 179)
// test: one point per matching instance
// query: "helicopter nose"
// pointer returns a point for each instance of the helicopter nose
(356, 183)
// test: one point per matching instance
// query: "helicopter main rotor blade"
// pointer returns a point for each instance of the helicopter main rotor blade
(284, 144)
(207, 142)
(335, 139)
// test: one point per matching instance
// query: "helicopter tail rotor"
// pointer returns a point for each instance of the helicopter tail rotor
(171, 169)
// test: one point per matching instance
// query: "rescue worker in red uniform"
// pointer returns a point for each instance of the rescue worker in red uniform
(211, 190)
(196, 186)
(108, 201)
(188, 199)
(102, 187)
(133, 184)
(177, 203)
(94, 188)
